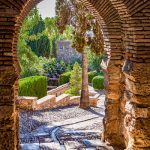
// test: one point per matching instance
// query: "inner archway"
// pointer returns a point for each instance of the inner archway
(113, 62)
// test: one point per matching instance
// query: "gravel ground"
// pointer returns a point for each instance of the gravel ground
(29, 121)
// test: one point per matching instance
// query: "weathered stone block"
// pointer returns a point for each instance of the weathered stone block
(113, 134)
(112, 111)
(26, 103)
(7, 111)
(137, 99)
(137, 72)
(59, 90)
(5, 91)
(7, 141)
(114, 94)
(74, 100)
(137, 112)
(62, 100)
(138, 88)
(8, 120)
(138, 132)
(46, 102)
(8, 75)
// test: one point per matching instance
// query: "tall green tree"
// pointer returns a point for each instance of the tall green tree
(38, 40)
(53, 34)
(28, 59)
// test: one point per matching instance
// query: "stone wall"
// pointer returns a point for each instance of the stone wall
(125, 25)
(66, 53)
(59, 90)
(25, 103)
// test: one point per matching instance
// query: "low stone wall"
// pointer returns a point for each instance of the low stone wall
(55, 98)
(93, 100)
(51, 101)
(26, 103)
(62, 100)
(59, 90)
(75, 100)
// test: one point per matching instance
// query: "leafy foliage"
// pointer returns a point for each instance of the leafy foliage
(94, 61)
(28, 56)
(40, 46)
(54, 35)
(91, 75)
(33, 86)
(33, 32)
(29, 62)
(64, 78)
(73, 12)
(75, 80)
(72, 91)
(52, 68)
(98, 82)
(63, 12)
(38, 40)
(37, 45)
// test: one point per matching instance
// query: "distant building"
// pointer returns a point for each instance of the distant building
(66, 53)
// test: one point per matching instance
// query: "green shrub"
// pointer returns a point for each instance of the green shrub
(94, 61)
(76, 79)
(33, 86)
(53, 68)
(100, 74)
(98, 82)
(91, 75)
(64, 78)
(72, 91)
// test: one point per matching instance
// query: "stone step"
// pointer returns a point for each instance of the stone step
(31, 146)
(46, 102)
(44, 146)
(50, 146)
(96, 143)
(73, 145)
(62, 100)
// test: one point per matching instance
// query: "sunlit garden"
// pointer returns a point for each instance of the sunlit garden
(39, 57)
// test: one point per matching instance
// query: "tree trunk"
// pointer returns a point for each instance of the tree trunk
(84, 101)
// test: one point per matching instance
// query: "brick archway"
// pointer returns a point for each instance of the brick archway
(126, 27)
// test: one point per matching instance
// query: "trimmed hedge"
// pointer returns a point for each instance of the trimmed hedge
(91, 75)
(64, 78)
(33, 86)
(98, 82)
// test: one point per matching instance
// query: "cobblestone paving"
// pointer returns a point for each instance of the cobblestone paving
(66, 128)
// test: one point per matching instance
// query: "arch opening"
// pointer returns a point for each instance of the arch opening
(110, 45)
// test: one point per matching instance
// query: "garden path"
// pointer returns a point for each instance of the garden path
(65, 128)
